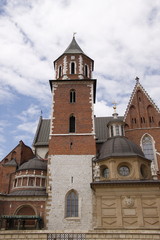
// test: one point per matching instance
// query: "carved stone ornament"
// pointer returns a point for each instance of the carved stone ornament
(128, 202)
(96, 172)
(153, 169)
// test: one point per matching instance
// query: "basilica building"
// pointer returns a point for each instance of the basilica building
(85, 173)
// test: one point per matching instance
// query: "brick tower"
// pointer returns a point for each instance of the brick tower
(72, 141)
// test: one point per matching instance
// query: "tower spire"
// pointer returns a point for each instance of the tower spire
(115, 114)
(73, 46)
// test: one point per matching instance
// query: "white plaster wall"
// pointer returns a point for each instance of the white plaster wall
(61, 170)
(42, 151)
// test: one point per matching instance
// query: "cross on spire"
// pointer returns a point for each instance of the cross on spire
(74, 34)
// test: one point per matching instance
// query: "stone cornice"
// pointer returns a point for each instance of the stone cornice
(125, 182)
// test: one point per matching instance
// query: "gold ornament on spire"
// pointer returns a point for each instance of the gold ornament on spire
(114, 106)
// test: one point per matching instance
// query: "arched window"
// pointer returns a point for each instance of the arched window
(86, 71)
(72, 68)
(31, 181)
(72, 204)
(60, 71)
(72, 123)
(147, 146)
(72, 96)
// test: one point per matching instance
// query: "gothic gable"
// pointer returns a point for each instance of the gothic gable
(141, 111)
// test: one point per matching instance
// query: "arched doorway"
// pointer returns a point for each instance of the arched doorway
(26, 218)
(25, 210)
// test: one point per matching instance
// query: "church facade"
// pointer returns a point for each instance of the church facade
(85, 173)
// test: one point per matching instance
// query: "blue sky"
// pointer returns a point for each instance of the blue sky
(123, 38)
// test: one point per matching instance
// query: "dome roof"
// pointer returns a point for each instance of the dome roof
(34, 163)
(119, 146)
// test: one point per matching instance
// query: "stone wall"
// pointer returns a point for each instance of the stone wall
(127, 207)
(94, 235)
(66, 173)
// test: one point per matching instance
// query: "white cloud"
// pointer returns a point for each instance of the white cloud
(32, 112)
(29, 127)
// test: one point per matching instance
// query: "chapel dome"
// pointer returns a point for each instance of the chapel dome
(34, 163)
(118, 147)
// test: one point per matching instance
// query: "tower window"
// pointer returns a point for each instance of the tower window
(60, 71)
(72, 96)
(72, 204)
(72, 68)
(112, 131)
(117, 130)
(86, 71)
(122, 130)
(72, 123)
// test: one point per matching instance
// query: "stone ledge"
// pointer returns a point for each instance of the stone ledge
(111, 231)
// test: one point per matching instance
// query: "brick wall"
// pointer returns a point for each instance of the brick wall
(82, 141)
(79, 60)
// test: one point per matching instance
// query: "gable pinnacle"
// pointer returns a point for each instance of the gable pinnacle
(137, 79)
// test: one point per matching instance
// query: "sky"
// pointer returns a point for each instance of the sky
(121, 36)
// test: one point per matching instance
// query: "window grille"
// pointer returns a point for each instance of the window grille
(66, 236)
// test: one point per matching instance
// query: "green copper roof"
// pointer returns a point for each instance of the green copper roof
(73, 47)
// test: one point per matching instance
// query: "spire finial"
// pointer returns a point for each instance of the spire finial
(74, 34)
(115, 114)
(114, 106)
(137, 79)
(41, 114)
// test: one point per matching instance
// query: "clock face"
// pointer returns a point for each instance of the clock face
(124, 171)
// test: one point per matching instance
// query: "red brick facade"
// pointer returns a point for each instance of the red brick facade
(75, 58)
(65, 143)
(82, 140)
(143, 117)
(21, 153)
